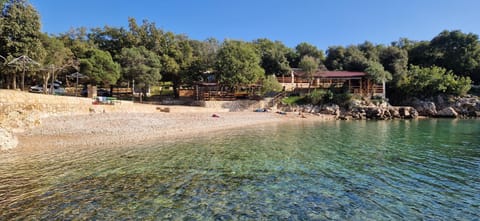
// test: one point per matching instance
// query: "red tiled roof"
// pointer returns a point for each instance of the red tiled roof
(331, 74)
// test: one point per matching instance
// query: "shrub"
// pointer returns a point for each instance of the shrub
(292, 100)
(432, 81)
(270, 84)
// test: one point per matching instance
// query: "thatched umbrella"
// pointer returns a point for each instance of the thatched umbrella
(24, 62)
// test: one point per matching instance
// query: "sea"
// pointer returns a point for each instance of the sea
(426, 169)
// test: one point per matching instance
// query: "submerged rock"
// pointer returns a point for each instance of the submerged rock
(7, 140)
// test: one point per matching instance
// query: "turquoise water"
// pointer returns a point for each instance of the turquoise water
(359, 170)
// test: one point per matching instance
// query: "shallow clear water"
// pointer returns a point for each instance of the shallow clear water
(360, 170)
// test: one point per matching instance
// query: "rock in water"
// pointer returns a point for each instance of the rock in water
(7, 140)
(425, 108)
(447, 112)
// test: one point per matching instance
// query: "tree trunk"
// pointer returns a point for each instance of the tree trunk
(22, 84)
(45, 77)
(176, 85)
(14, 81)
(7, 81)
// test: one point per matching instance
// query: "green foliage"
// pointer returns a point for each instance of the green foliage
(19, 34)
(141, 65)
(57, 57)
(301, 50)
(355, 60)
(376, 72)
(148, 54)
(394, 61)
(332, 96)
(458, 52)
(342, 99)
(20, 30)
(290, 100)
(56, 52)
(100, 67)
(335, 58)
(425, 82)
(318, 96)
(273, 59)
(238, 63)
(370, 51)
(309, 65)
(111, 39)
(203, 60)
(270, 84)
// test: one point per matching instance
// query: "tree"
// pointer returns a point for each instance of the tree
(309, 65)
(270, 84)
(238, 63)
(99, 66)
(394, 61)
(421, 54)
(272, 55)
(20, 34)
(355, 60)
(141, 65)
(110, 39)
(458, 52)
(57, 57)
(203, 60)
(370, 51)
(335, 58)
(303, 49)
(177, 57)
(431, 81)
(376, 72)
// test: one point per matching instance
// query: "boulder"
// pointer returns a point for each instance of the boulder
(394, 112)
(407, 112)
(7, 140)
(330, 109)
(425, 108)
(476, 114)
(467, 106)
(447, 112)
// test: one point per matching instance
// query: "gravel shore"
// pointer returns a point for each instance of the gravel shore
(111, 129)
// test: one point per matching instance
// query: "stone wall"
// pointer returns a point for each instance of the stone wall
(235, 106)
(23, 110)
(20, 110)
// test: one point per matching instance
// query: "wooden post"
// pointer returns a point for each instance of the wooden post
(350, 85)
(361, 89)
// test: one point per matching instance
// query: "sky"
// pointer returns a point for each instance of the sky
(322, 23)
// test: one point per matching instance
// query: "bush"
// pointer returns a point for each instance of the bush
(319, 96)
(342, 99)
(426, 82)
(270, 84)
(292, 100)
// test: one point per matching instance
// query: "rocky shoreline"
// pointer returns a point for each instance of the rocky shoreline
(440, 107)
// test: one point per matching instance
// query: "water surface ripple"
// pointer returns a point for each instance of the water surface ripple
(386, 170)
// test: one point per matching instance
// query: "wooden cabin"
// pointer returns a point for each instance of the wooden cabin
(356, 82)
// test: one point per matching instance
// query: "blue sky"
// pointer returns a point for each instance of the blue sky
(319, 22)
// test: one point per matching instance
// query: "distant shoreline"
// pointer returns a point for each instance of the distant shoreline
(39, 121)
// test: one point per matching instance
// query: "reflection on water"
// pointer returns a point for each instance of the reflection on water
(386, 170)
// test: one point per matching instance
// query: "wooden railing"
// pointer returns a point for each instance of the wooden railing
(118, 90)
